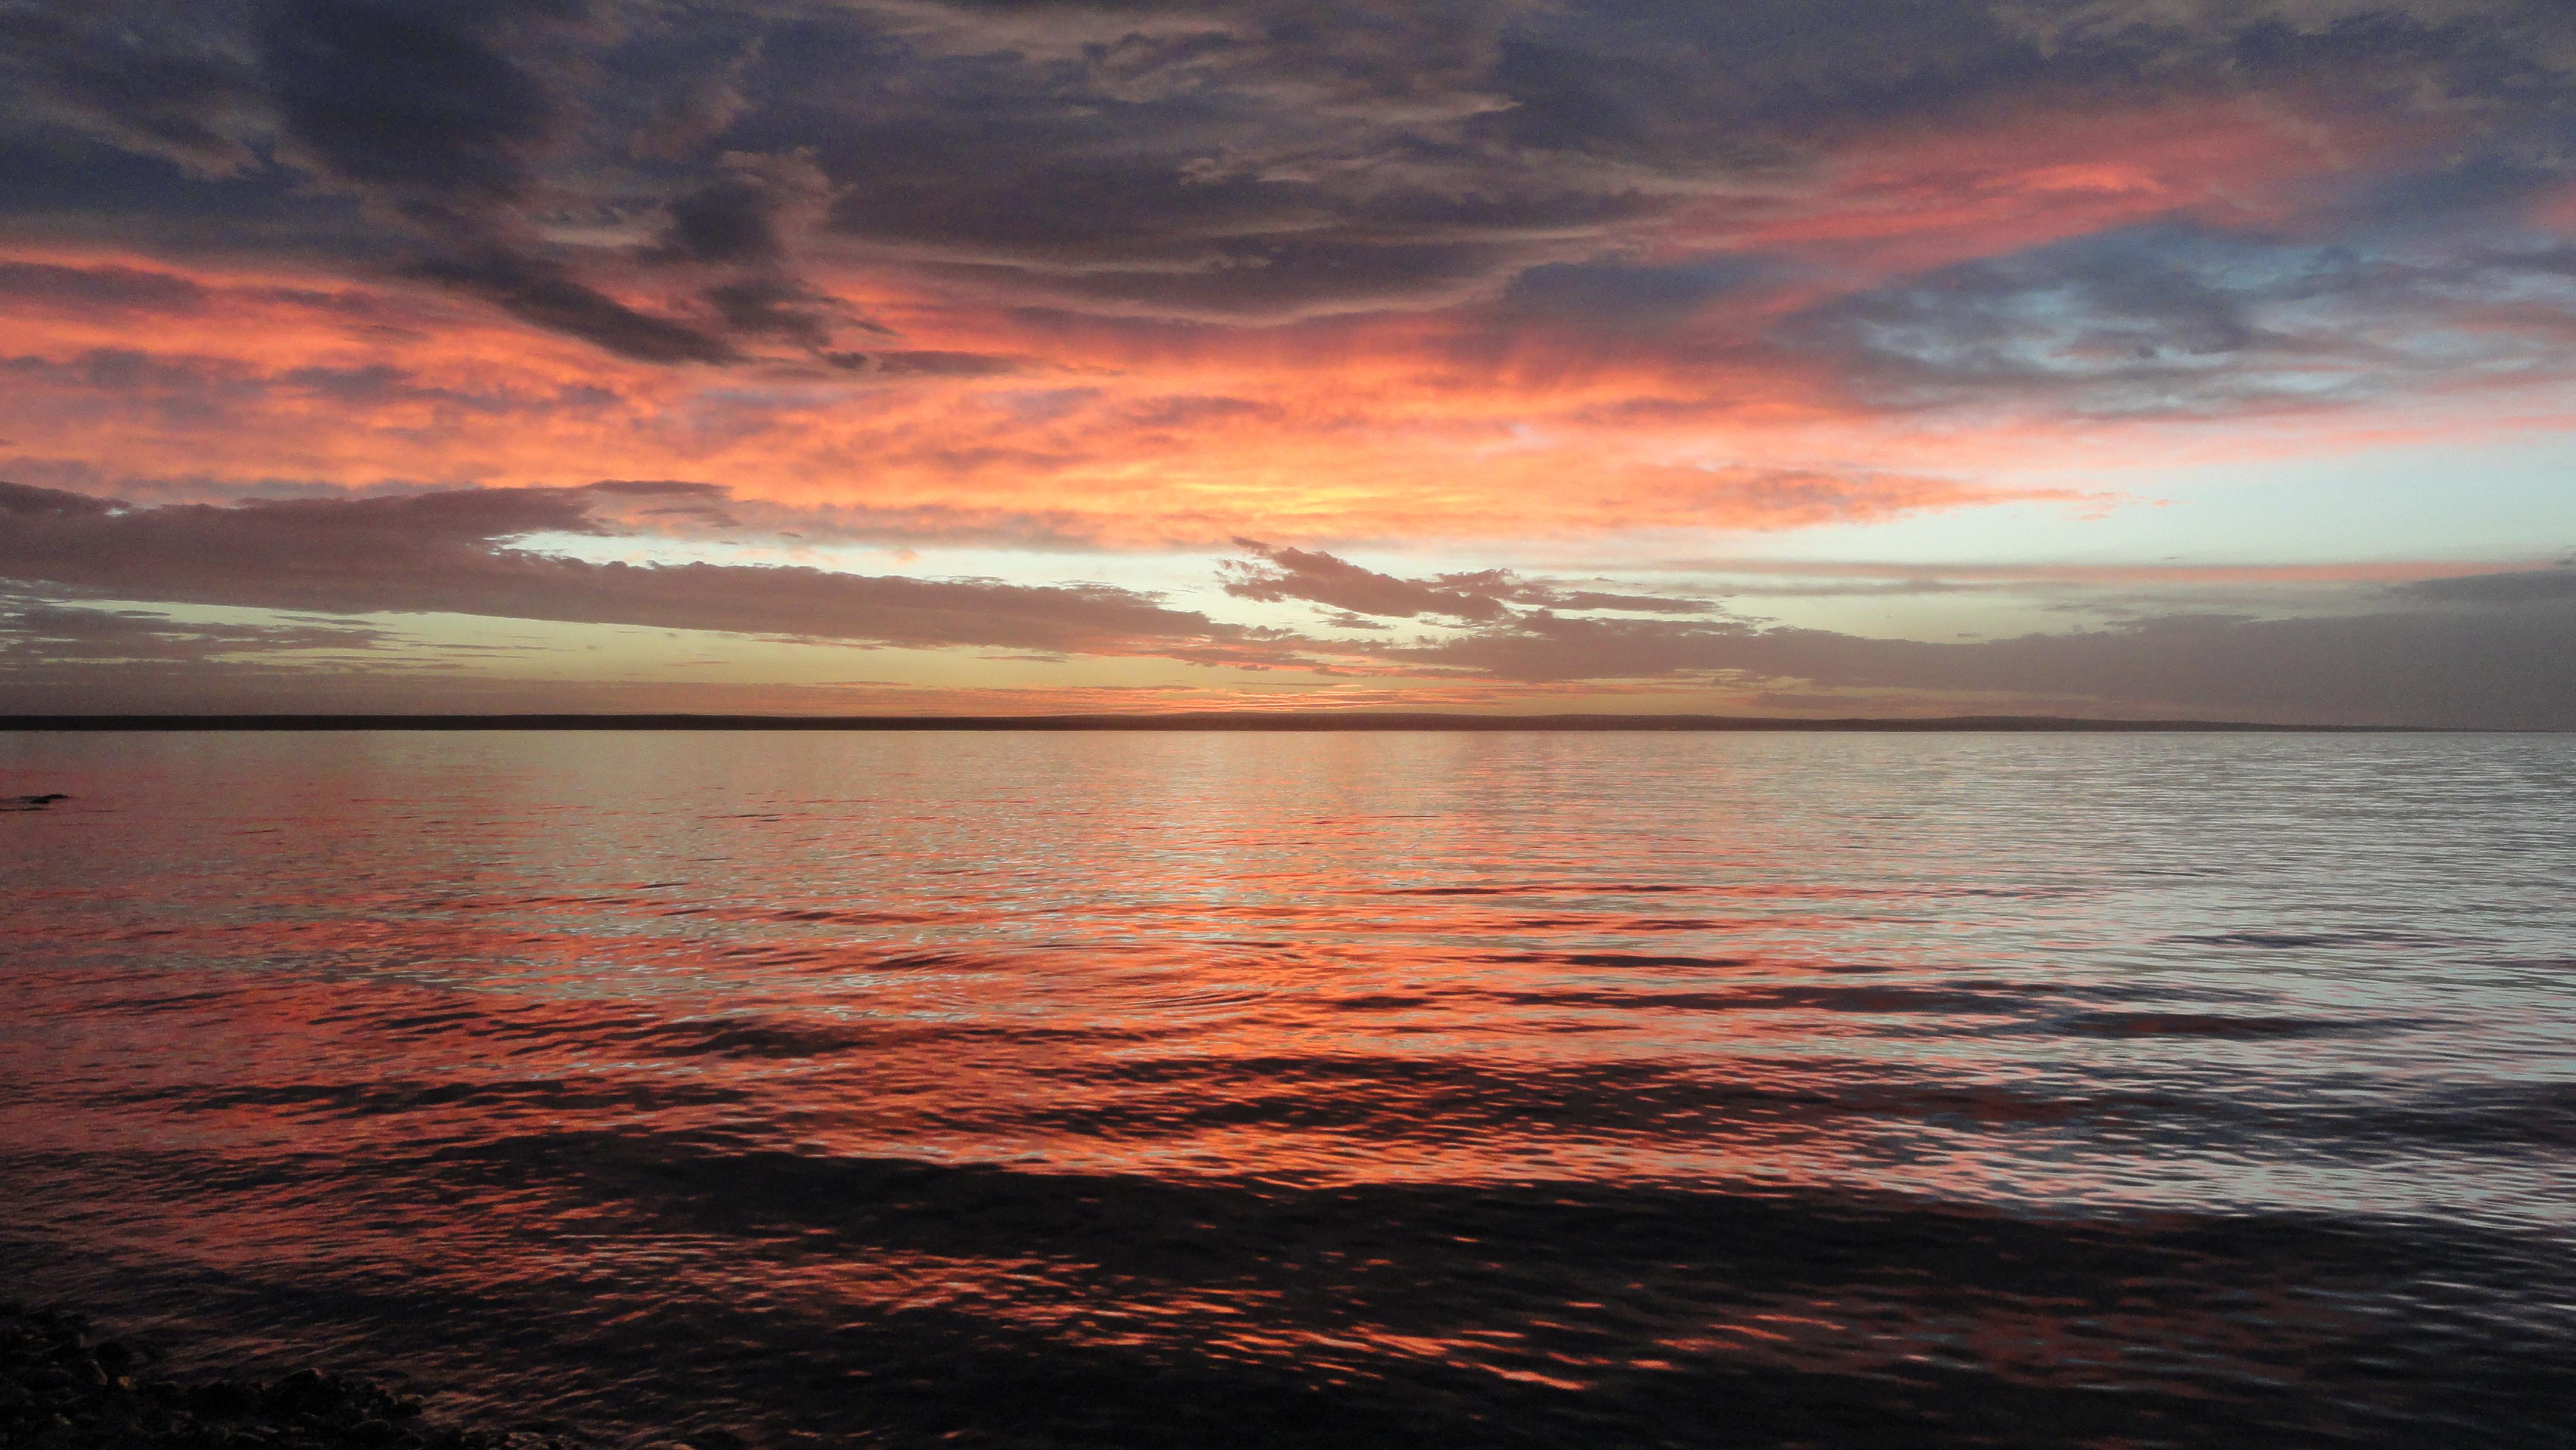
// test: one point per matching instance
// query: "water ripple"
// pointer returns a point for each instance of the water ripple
(1514, 1090)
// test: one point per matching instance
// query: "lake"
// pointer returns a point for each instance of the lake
(1185, 1088)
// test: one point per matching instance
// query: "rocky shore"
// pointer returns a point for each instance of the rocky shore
(63, 1389)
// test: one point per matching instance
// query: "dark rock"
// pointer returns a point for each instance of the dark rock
(302, 1390)
(223, 1398)
(57, 1388)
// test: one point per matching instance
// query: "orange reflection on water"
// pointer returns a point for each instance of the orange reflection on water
(1554, 1061)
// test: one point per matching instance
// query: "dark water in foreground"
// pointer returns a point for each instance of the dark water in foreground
(1247, 1090)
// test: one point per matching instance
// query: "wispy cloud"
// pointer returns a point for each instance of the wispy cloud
(1484, 596)
(303, 276)
(2417, 667)
(457, 552)
(2496, 649)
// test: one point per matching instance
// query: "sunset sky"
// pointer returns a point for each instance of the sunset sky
(1785, 357)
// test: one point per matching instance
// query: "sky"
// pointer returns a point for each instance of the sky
(2204, 359)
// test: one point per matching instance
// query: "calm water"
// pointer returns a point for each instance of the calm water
(1226, 1089)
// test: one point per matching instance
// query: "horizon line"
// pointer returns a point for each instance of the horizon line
(1207, 720)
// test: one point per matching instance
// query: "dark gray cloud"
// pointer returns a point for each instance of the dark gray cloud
(1505, 585)
(1093, 155)
(1485, 596)
(926, 363)
(624, 503)
(546, 293)
(1612, 294)
(2502, 668)
(2520, 587)
(2479, 651)
(731, 219)
(417, 95)
(2176, 318)
(2511, 663)
(453, 552)
(39, 635)
(167, 78)
(692, 509)
(1276, 574)
(95, 290)
(733, 230)
(1261, 159)
(457, 124)
(28, 505)
(1258, 158)
(774, 307)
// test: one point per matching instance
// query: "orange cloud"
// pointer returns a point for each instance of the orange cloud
(132, 374)
(1132, 436)
(2014, 178)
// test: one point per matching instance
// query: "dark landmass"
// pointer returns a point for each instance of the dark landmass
(62, 1389)
(1195, 720)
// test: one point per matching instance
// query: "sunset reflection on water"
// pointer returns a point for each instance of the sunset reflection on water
(1599, 1070)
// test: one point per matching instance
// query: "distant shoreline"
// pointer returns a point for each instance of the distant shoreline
(1309, 721)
